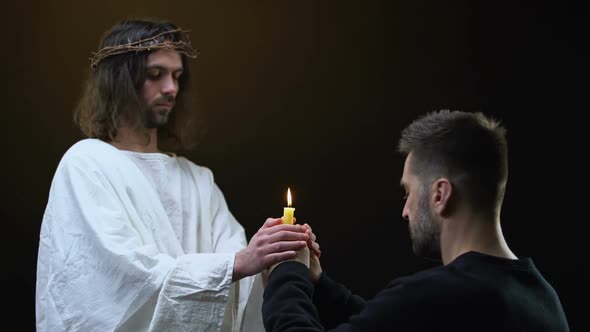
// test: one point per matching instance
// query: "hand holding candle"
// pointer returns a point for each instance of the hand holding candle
(288, 218)
(288, 211)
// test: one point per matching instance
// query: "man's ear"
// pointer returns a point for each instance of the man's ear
(442, 191)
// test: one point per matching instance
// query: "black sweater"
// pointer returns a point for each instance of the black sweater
(475, 292)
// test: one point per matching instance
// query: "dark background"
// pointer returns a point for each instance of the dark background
(312, 95)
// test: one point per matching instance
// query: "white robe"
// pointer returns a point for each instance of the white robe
(139, 242)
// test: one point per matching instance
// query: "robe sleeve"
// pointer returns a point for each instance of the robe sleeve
(245, 312)
(98, 265)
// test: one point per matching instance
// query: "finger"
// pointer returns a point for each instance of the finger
(285, 236)
(314, 245)
(317, 253)
(284, 227)
(310, 230)
(311, 235)
(283, 246)
(271, 222)
(274, 258)
(316, 250)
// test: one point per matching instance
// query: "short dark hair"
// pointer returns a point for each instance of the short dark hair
(469, 149)
(111, 93)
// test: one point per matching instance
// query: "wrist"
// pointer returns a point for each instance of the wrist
(272, 267)
(237, 273)
(315, 276)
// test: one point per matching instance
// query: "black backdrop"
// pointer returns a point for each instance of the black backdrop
(313, 95)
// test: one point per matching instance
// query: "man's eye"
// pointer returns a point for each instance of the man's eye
(153, 75)
(406, 196)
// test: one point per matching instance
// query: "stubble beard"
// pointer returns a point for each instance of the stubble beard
(157, 116)
(424, 231)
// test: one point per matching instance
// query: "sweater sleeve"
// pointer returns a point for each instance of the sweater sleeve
(334, 302)
(288, 305)
(287, 302)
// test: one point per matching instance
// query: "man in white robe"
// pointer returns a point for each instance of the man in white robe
(136, 239)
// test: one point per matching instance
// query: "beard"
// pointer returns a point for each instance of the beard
(424, 231)
(157, 116)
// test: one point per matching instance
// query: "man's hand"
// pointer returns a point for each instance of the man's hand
(308, 256)
(315, 269)
(302, 257)
(273, 243)
(311, 243)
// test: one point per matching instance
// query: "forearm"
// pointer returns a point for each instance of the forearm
(288, 300)
(334, 302)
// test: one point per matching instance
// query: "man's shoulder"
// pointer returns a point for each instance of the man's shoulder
(90, 147)
(439, 280)
(88, 152)
(437, 288)
(429, 276)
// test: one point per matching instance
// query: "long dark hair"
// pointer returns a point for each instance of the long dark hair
(110, 98)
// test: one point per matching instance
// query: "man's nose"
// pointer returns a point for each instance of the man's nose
(405, 212)
(170, 86)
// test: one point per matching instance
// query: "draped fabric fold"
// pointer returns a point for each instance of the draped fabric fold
(138, 242)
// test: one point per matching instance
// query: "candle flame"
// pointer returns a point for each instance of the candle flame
(288, 196)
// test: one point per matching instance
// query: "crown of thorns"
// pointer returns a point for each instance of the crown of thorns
(159, 41)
